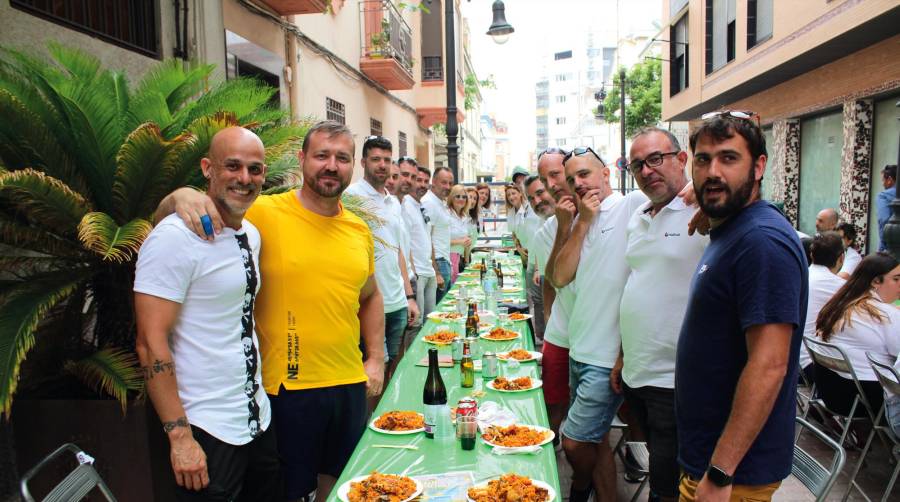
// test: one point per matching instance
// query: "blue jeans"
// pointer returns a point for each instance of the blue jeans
(593, 403)
(892, 413)
(444, 269)
(394, 326)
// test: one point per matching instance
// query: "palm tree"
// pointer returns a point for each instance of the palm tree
(85, 158)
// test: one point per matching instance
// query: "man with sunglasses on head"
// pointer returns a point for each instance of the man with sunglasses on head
(591, 260)
(737, 357)
(391, 269)
(420, 233)
(661, 257)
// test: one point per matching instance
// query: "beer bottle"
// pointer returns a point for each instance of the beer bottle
(467, 367)
(481, 272)
(499, 271)
(434, 395)
(472, 321)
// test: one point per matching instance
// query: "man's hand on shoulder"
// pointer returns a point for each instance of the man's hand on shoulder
(191, 206)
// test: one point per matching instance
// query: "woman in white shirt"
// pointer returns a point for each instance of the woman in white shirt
(484, 205)
(861, 318)
(460, 240)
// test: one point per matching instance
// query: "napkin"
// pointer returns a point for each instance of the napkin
(506, 450)
(491, 413)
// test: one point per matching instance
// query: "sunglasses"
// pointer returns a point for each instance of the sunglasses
(653, 160)
(552, 150)
(407, 158)
(735, 114)
(461, 196)
(581, 150)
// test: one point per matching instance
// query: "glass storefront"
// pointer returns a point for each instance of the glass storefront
(884, 146)
(821, 141)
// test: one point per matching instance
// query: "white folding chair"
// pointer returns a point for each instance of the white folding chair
(75, 486)
(815, 476)
(889, 378)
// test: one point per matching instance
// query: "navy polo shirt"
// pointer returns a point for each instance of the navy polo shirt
(753, 272)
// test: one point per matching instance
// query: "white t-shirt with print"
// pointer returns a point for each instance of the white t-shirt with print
(439, 215)
(213, 343)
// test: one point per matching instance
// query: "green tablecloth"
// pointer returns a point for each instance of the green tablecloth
(404, 392)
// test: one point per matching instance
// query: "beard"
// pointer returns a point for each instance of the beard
(335, 189)
(732, 201)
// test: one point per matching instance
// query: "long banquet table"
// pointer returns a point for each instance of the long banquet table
(433, 457)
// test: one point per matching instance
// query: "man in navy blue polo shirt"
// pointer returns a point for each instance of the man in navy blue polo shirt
(736, 367)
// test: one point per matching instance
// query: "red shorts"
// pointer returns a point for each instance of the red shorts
(555, 374)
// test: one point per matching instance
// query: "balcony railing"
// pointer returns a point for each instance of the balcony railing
(432, 69)
(386, 34)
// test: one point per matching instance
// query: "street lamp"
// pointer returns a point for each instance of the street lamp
(500, 30)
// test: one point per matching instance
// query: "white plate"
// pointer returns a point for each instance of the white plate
(396, 433)
(507, 289)
(345, 488)
(551, 493)
(535, 356)
(535, 384)
(535, 427)
(524, 318)
(436, 343)
(485, 336)
(436, 316)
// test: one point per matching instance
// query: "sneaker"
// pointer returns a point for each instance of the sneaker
(632, 475)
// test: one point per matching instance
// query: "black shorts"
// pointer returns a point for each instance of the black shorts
(318, 429)
(653, 408)
(248, 472)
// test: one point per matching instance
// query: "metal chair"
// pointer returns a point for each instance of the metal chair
(634, 455)
(816, 477)
(833, 357)
(80, 481)
(889, 378)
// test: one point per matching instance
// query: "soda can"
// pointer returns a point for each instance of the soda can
(467, 406)
(489, 366)
(457, 349)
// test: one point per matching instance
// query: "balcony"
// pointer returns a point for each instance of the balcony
(386, 52)
(291, 7)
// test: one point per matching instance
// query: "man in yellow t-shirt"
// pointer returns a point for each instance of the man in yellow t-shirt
(318, 298)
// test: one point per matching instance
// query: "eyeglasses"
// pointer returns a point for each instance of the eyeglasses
(581, 150)
(735, 114)
(552, 150)
(653, 160)
(370, 138)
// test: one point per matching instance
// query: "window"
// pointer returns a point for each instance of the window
(678, 56)
(243, 58)
(401, 144)
(759, 21)
(720, 33)
(560, 99)
(562, 55)
(560, 120)
(562, 77)
(561, 142)
(131, 24)
(335, 111)
(609, 56)
(375, 127)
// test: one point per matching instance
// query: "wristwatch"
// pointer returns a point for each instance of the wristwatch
(410, 297)
(718, 476)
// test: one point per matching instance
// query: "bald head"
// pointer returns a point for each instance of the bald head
(233, 137)
(826, 220)
(553, 175)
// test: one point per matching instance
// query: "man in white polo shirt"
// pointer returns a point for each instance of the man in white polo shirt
(391, 272)
(662, 258)
(439, 215)
(420, 234)
(595, 249)
(827, 260)
(196, 338)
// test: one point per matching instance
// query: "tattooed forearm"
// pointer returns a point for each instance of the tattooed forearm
(158, 366)
(178, 422)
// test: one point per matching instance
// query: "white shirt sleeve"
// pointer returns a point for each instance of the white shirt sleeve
(165, 264)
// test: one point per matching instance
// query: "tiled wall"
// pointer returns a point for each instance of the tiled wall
(856, 165)
(785, 167)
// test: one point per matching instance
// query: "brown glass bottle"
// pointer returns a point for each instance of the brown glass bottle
(472, 321)
(467, 367)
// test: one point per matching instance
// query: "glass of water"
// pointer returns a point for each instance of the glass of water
(503, 316)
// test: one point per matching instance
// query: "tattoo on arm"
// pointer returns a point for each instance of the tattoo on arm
(178, 422)
(158, 366)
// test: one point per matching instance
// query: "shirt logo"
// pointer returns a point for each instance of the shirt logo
(704, 268)
(672, 234)
(604, 230)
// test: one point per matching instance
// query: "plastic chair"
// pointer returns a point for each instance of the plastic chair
(889, 378)
(80, 481)
(834, 358)
(816, 477)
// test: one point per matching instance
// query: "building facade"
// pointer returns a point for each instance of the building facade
(370, 64)
(823, 77)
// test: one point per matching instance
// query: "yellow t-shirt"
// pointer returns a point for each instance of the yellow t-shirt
(313, 268)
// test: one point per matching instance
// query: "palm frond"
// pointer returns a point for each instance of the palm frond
(22, 266)
(37, 239)
(172, 83)
(99, 233)
(146, 162)
(44, 200)
(113, 371)
(241, 97)
(277, 189)
(22, 309)
(79, 64)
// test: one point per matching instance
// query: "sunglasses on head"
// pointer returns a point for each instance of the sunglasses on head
(581, 150)
(407, 158)
(735, 114)
(552, 150)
